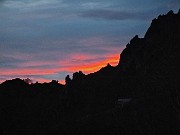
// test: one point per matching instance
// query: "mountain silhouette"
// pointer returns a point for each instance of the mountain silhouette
(139, 96)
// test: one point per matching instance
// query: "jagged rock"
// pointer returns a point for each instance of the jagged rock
(164, 27)
(78, 75)
(170, 13)
(68, 80)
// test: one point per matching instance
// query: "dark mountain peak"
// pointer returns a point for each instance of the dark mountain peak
(164, 26)
(107, 67)
(163, 34)
(16, 81)
(131, 52)
(170, 12)
(78, 75)
(14, 85)
(104, 70)
(135, 39)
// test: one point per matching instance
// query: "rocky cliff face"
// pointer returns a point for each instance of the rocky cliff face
(160, 41)
(148, 73)
(151, 67)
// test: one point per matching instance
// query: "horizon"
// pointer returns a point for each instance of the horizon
(46, 40)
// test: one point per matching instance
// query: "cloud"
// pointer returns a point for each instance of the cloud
(83, 62)
(9, 62)
(174, 3)
(47, 39)
(115, 15)
(29, 4)
(58, 58)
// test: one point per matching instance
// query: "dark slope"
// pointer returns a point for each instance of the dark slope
(29, 109)
(153, 63)
(148, 73)
(146, 80)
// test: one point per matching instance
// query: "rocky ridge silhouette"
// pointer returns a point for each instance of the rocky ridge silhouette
(139, 96)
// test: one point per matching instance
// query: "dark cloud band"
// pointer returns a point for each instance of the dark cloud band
(115, 15)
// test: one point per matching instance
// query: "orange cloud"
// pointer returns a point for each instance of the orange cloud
(95, 66)
(78, 63)
(22, 71)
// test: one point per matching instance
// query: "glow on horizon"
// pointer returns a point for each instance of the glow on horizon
(95, 66)
(71, 68)
(46, 40)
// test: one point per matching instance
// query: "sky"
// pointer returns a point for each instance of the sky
(46, 40)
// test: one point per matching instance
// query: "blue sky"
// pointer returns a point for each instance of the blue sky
(48, 39)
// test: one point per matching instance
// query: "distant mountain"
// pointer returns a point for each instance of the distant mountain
(140, 96)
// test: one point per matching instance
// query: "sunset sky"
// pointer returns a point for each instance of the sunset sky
(48, 39)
